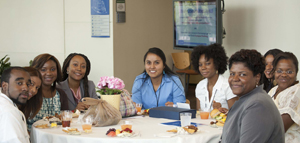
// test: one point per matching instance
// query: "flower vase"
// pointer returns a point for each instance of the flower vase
(113, 100)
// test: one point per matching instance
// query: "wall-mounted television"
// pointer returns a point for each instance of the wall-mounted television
(197, 22)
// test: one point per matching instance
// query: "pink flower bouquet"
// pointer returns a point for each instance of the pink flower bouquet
(110, 85)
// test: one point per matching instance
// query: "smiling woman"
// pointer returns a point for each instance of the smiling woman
(254, 117)
(286, 94)
(35, 98)
(268, 77)
(212, 92)
(76, 85)
(54, 99)
(157, 85)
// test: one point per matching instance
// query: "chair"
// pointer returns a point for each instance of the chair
(182, 61)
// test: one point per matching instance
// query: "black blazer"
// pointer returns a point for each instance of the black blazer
(64, 85)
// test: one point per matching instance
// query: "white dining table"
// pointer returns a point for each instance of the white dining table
(145, 128)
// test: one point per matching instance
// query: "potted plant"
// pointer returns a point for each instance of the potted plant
(110, 89)
(4, 64)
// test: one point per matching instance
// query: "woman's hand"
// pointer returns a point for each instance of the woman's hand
(223, 110)
(216, 105)
(169, 104)
(81, 106)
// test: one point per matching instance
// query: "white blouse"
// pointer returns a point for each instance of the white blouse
(287, 102)
(221, 93)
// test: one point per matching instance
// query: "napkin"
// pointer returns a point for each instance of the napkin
(178, 123)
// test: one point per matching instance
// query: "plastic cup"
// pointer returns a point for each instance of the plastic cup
(138, 107)
(204, 114)
(126, 124)
(185, 119)
(86, 123)
(66, 118)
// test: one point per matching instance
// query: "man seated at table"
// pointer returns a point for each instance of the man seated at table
(14, 92)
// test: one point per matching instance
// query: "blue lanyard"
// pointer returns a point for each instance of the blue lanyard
(157, 98)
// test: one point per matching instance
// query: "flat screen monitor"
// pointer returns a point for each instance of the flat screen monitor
(196, 22)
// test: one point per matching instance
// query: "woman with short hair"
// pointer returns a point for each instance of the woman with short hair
(254, 117)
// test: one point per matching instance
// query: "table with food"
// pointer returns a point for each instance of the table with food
(136, 129)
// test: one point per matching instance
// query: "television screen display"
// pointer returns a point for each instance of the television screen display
(196, 23)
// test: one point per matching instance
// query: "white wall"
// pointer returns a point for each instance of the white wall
(78, 38)
(262, 25)
(29, 28)
(32, 27)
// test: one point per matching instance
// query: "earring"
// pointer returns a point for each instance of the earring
(164, 72)
(217, 72)
(67, 72)
(257, 84)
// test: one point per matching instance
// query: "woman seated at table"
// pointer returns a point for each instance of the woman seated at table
(286, 94)
(254, 117)
(76, 85)
(213, 91)
(157, 85)
(268, 78)
(35, 98)
(54, 99)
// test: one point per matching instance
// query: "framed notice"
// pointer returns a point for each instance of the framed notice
(100, 18)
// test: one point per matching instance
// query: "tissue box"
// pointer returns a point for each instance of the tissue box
(169, 112)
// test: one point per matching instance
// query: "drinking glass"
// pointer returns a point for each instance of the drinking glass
(185, 119)
(204, 114)
(126, 124)
(66, 118)
(87, 122)
(138, 107)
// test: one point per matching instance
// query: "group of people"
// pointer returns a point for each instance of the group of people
(44, 89)
(260, 96)
(28, 94)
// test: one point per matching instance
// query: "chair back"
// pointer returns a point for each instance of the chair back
(181, 60)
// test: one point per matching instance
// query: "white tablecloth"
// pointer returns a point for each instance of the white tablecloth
(150, 130)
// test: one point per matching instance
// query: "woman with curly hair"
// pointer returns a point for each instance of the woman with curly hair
(75, 84)
(213, 91)
(268, 78)
(254, 117)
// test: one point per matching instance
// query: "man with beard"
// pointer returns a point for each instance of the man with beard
(14, 82)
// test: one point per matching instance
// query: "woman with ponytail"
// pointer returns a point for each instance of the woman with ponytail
(157, 85)
(75, 82)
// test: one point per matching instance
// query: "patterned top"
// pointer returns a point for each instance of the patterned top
(127, 107)
(49, 107)
(287, 102)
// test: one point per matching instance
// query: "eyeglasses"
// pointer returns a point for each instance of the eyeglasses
(281, 72)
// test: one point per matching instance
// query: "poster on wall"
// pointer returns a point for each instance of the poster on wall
(100, 18)
(195, 23)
